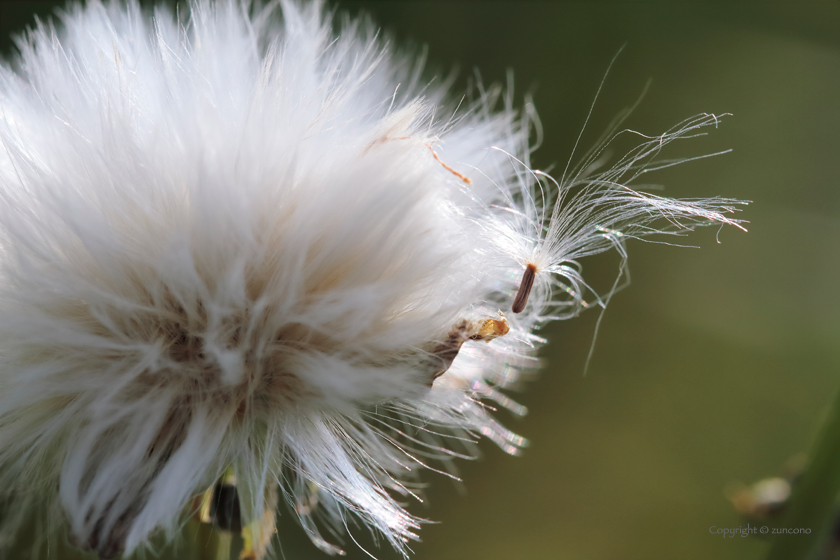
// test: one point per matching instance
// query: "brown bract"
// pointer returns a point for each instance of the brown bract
(446, 352)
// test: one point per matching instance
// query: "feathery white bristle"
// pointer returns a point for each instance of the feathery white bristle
(250, 238)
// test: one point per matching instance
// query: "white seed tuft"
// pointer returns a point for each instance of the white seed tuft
(245, 239)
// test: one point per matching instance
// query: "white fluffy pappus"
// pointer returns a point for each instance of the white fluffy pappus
(249, 240)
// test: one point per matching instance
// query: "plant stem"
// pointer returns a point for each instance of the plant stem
(223, 545)
(208, 542)
(812, 504)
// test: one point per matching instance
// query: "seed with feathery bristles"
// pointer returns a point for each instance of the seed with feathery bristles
(524, 291)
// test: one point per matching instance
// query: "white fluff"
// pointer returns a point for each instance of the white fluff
(246, 238)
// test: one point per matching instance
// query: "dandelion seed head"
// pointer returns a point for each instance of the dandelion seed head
(243, 240)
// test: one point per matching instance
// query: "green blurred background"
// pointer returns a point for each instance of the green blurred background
(716, 364)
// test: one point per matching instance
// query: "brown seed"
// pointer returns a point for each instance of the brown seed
(524, 289)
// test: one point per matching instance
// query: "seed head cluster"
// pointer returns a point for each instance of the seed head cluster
(254, 243)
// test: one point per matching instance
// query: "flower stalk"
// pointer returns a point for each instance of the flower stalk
(813, 501)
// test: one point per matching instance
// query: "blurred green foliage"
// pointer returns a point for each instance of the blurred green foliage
(717, 363)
